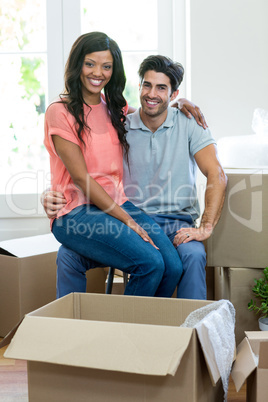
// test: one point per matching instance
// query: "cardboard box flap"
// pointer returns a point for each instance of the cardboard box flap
(28, 246)
(255, 338)
(246, 361)
(141, 349)
(263, 358)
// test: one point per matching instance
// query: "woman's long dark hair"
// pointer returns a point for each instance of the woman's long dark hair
(72, 96)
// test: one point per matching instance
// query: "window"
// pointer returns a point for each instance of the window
(23, 87)
(36, 37)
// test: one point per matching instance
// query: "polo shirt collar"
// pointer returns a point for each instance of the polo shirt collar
(136, 122)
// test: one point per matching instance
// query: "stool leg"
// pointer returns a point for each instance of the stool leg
(110, 279)
(125, 277)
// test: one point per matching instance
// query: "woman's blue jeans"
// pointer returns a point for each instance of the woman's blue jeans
(98, 236)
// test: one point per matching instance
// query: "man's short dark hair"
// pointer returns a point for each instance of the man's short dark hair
(165, 65)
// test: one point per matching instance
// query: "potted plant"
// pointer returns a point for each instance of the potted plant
(260, 304)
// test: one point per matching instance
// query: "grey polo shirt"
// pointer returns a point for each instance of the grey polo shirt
(162, 176)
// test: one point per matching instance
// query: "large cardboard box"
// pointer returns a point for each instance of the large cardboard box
(28, 277)
(235, 284)
(251, 365)
(240, 237)
(92, 347)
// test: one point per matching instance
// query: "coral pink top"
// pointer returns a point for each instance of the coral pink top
(102, 152)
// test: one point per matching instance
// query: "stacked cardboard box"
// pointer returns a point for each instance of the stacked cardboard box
(235, 284)
(239, 242)
(240, 237)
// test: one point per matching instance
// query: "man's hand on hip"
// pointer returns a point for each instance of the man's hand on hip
(52, 202)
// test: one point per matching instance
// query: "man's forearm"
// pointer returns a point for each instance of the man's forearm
(214, 200)
(210, 166)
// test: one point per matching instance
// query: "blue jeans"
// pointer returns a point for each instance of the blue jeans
(192, 284)
(98, 236)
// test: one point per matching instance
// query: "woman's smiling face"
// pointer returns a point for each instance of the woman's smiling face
(96, 72)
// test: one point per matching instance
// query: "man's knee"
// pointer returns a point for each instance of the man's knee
(192, 253)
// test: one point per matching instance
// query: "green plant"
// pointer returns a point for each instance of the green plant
(260, 290)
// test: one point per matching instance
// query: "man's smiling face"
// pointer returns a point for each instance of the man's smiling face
(155, 93)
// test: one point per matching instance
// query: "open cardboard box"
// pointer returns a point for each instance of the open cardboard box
(251, 365)
(114, 348)
(28, 277)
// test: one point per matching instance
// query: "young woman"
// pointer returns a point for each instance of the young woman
(85, 137)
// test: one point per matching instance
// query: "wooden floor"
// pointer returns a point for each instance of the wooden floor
(13, 379)
(13, 382)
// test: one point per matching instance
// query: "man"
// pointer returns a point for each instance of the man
(160, 174)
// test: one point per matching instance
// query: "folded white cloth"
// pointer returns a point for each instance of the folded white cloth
(215, 324)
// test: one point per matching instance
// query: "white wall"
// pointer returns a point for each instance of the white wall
(22, 215)
(229, 69)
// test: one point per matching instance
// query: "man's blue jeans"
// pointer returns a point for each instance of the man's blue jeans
(192, 284)
(98, 236)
